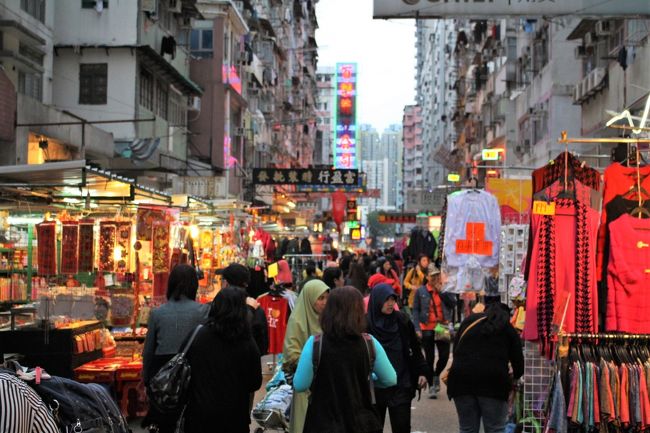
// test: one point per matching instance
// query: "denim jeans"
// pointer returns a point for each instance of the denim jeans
(472, 409)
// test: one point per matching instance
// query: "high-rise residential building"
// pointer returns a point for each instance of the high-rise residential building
(412, 148)
(391, 145)
(29, 88)
(369, 141)
(435, 96)
(325, 109)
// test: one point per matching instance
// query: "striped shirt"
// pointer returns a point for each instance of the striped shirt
(21, 409)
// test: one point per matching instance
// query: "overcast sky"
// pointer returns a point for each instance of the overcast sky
(383, 50)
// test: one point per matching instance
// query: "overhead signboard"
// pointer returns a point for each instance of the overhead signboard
(305, 176)
(453, 177)
(345, 131)
(505, 8)
(490, 154)
(396, 218)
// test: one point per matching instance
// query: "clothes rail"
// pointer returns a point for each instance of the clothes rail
(606, 336)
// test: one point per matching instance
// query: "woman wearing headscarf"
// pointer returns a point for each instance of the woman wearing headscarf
(396, 334)
(303, 323)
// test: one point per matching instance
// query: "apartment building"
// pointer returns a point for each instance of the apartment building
(28, 84)
(325, 112)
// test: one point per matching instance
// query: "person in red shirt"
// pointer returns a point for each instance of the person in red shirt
(431, 323)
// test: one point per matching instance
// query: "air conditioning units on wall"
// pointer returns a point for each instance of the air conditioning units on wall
(603, 28)
(577, 93)
(590, 39)
(194, 103)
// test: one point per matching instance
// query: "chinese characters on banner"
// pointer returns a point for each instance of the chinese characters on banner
(345, 134)
(305, 176)
(397, 218)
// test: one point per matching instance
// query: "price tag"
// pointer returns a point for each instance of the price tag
(543, 208)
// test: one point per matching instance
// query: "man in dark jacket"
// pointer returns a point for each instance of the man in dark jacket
(239, 276)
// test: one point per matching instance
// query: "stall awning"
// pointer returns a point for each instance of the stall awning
(75, 182)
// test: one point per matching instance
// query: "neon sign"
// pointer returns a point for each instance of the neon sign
(345, 133)
(230, 76)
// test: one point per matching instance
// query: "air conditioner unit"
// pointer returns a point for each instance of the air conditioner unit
(150, 6)
(590, 39)
(584, 85)
(577, 93)
(185, 23)
(597, 78)
(194, 103)
(176, 6)
(603, 28)
(580, 51)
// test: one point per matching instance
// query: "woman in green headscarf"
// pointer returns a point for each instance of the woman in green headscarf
(303, 323)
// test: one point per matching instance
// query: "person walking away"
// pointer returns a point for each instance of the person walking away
(341, 399)
(415, 278)
(303, 323)
(394, 330)
(167, 328)
(358, 277)
(226, 368)
(479, 381)
(431, 318)
(239, 276)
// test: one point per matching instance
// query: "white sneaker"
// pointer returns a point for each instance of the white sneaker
(433, 394)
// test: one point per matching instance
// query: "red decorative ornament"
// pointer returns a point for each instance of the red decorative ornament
(339, 203)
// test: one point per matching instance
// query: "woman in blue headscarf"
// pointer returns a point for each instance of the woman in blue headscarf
(396, 333)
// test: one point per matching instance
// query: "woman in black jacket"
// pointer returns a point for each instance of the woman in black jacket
(396, 333)
(479, 379)
(226, 368)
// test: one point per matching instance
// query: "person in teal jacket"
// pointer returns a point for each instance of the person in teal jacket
(341, 397)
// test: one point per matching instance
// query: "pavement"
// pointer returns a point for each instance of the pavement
(427, 416)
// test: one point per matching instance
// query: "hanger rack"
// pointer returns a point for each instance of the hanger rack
(606, 336)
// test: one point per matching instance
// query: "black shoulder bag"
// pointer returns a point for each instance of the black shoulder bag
(168, 388)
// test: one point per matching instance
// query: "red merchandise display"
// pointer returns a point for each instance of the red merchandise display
(70, 247)
(86, 246)
(276, 310)
(46, 232)
(160, 248)
(107, 232)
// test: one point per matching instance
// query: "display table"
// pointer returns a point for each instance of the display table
(59, 351)
(124, 375)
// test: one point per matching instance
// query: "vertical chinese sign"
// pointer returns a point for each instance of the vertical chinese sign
(345, 134)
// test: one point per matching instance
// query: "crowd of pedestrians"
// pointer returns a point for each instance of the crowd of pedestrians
(365, 336)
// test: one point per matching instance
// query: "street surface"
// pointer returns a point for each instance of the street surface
(428, 416)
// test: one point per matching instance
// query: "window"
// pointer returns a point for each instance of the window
(146, 89)
(201, 43)
(30, 53)
(93, 82)
(35, 8)
(30, 85)
(90, 4)
(162, 93)
(177, 110)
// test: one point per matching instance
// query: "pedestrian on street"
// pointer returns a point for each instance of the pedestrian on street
(238, 276)
(303, 323)
(226, 368)
(167, 328)
(341, 400)
(311, 272)
(333, 277)
(387, 269)
(358, 277)
(479, 379)
(415, 278)
(431, 319)
(394, 330)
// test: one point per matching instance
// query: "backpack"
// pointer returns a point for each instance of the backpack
(370, 349)
(80, 407)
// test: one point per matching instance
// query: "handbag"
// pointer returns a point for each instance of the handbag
(168, 388)
(444, 376)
